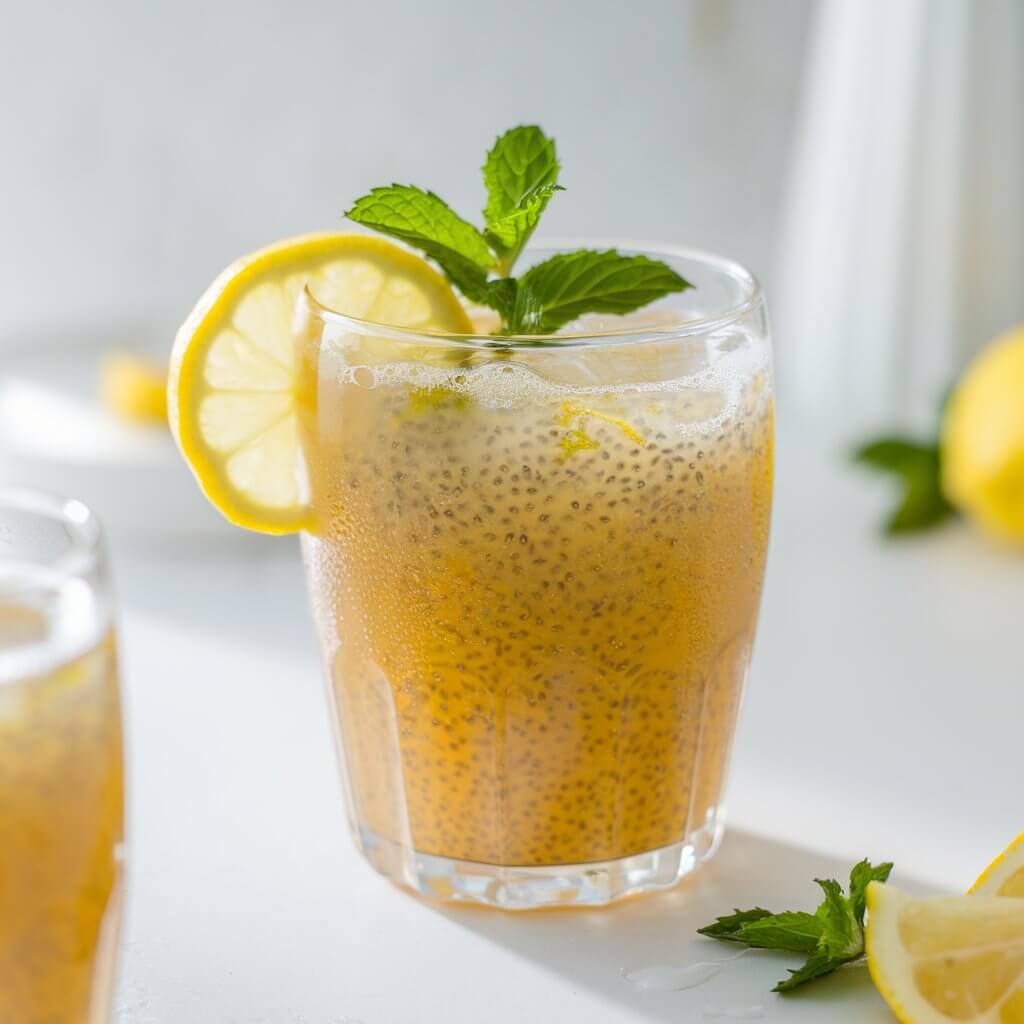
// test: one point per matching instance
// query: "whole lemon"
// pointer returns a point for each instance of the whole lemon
(983, 439)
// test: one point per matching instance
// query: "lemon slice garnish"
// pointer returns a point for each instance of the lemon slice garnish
(232, 390)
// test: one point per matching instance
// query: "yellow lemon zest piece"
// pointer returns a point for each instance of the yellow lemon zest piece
(578, 440)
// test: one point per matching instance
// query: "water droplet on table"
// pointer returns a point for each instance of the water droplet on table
(671, 977)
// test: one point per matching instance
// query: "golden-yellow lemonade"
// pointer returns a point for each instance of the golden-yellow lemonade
(537, 589)
(61, 806)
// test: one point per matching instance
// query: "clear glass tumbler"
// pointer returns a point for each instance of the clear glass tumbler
(536, 572)
(61, 774)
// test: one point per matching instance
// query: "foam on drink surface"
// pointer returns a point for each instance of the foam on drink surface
(554, 374)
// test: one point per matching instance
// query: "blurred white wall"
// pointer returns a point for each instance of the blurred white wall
(146, 144)
(902, 251)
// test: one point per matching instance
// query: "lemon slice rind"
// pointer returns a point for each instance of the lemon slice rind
(232, 399)
(1005, 875)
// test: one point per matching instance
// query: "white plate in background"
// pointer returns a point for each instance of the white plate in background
(55, 435)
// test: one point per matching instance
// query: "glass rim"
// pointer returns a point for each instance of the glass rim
(85, 535)
(750, 299)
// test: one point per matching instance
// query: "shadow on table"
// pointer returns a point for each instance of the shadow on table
(591, 948)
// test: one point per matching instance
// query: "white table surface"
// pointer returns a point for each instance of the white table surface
(882, 719)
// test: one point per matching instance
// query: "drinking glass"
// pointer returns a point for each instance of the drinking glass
(61, 800)
(535, 570)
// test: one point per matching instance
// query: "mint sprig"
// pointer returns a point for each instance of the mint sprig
(918, 467)
(831, 937)
(521, 176)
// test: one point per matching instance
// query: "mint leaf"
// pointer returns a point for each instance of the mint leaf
(587, 281)
(842, 936)
(521, 161)
(922, 504)
(521, 175)
(862, 874)
(792, 931)
(426, 222)
(833, 936)
(816, 966)
(508, 234)
(729, 926)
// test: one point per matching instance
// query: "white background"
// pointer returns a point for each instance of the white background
(145, 145)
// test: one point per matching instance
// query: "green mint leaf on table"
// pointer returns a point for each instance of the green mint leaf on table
(426, 222)
(792, 931)
(918, 467)
(842, 935)
(861, 875)
(520, 173)
(831, 937)
(816, 967)
(729, 926)
(568, 285)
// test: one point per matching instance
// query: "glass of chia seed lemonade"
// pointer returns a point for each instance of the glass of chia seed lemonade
(533, 487)
(535, 564)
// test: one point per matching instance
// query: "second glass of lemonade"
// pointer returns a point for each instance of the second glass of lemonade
(61, 774)
(536, 573)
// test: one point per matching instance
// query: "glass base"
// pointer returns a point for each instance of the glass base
(530, 888)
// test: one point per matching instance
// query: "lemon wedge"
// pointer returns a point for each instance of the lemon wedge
(232, 392)
(948, 958)
(1005, 875)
